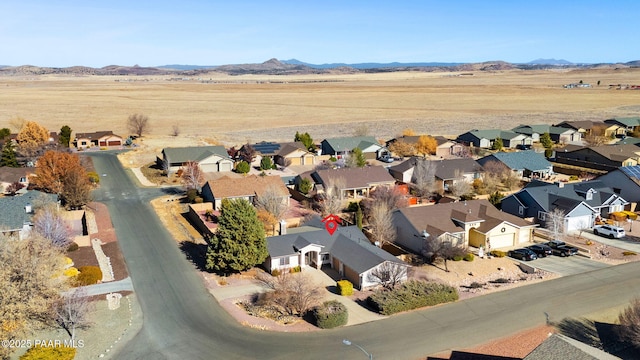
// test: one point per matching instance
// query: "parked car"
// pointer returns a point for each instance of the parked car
(523, 147)
(522, 254)
(386, 158)
(609, 230)
(560, 248)
(541, 250)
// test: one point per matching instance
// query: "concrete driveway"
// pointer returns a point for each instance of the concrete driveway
(565, 266)
(631, 242)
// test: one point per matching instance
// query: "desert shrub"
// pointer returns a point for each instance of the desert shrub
(72, 247)
(276, 272)
(468, 257)
(628, 253)
(573, 177)
(476, 285)
(457, 258)
(498, 253)
(49, 353)
(330, 314)
(71, 272)
(93, 176)
(295, 269)
(243, 167)
(345, 287)
(191, 195)
(467, 197)
(89, 275)
(198, 200)
(500, 281)
(410, 295)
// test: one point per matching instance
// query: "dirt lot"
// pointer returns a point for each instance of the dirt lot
(237, 109)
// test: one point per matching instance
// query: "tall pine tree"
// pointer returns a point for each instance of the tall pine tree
(9, 155)
(239, 244)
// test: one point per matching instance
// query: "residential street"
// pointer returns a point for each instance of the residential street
(183, 321)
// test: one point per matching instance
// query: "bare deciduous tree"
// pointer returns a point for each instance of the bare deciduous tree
(629, 320)
(424, 177)
(390, 195)
(388, 275)
(402, 148)
(175, 130)
(596, 135)
(293, 294)
(444, 247)
(554, 222)
(460, 185)
(72, 311)
(49, 224)
(192, 175)
(31, 283)
(381, 224)
(138, 123)
(331, 201)
(273, 201)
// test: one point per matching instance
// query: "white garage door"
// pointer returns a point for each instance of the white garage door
(502, 240)
(225, 166)
(578, 222)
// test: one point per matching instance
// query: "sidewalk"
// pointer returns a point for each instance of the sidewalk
(109, 287)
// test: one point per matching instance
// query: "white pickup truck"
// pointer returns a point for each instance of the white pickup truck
(609, 231)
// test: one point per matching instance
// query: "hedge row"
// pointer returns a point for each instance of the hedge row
(410, 295)
(330, 314)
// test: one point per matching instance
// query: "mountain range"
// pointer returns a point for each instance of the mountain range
(293, 66)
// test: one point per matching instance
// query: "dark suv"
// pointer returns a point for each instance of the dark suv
(541, 250)
(522, 254)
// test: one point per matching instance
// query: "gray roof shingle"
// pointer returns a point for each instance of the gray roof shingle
(14, 215)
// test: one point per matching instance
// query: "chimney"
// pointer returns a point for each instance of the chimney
(283, 227)
(560, 184)
(28, 209)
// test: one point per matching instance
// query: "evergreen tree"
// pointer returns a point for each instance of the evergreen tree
(497, 144)
(359, 216)
(305, 139)
(9, 155)
(65, 136)
(545, 140)
(239, 244)
(4, 133)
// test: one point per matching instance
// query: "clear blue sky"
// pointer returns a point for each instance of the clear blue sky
(151, 33)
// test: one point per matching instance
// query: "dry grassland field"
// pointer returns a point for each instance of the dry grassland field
(235, 109)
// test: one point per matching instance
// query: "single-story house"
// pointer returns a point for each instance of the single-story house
(210, 158)
(629, 124)
(446, 148)
(601, 158)
(97, 139)
(17, 212)
(446, 171)
(247, 187)
(466, 223)
(527, 164)
(9, 175)
(343, 146)
(624, 181)
(294, 154)
(556, 133)
(403, 172)
(485, 138)
(353, 182)
(581, 202)
(347, 250)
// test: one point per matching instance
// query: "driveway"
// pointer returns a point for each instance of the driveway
(630, 242)
(565, 266)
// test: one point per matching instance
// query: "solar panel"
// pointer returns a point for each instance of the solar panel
(631, 171)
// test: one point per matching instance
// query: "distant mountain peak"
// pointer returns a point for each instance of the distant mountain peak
(550, 62)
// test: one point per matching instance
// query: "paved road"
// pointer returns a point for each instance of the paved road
(183, 321)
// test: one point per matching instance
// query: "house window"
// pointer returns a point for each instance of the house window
(589, 195)
(520, 210)
(542, 215)
(284, 261)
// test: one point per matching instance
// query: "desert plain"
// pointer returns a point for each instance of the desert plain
(232, 110)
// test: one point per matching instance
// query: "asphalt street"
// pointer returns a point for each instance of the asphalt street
(183, 321)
